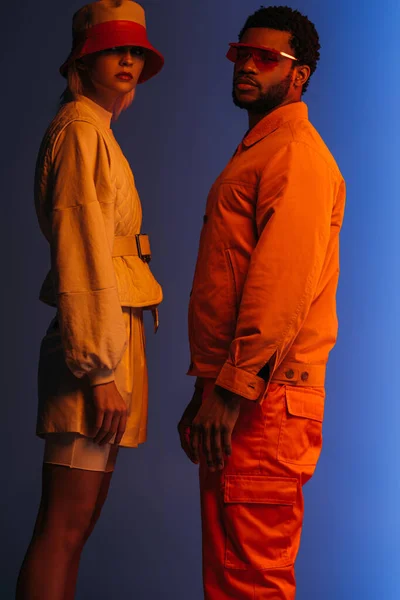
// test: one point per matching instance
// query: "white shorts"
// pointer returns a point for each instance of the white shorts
(79, 452)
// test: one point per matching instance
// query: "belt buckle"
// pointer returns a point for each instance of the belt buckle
(144, 257)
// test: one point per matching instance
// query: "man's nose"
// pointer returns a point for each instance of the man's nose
(247, 65)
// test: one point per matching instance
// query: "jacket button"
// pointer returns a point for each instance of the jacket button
(205, 219)
(289, 374)
(304, 376)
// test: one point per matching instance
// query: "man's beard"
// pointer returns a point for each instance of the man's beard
(268, 101)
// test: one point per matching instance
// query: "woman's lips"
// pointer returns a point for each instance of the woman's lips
(124, 76)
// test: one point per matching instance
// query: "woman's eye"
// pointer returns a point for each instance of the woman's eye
(121, 50)
(110, 51)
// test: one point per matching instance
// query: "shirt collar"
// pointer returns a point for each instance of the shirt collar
(104, 115)
(279, 116)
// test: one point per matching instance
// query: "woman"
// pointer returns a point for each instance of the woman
(92, 368)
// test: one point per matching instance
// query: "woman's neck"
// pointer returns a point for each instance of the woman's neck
(104, 100)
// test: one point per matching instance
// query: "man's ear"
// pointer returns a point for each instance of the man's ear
(302, 75)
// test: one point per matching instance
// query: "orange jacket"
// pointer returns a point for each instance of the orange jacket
(264, 289)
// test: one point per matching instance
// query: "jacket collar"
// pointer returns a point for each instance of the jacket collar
(101, 113)
(279, 116)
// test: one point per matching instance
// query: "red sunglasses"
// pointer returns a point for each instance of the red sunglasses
(264, 58)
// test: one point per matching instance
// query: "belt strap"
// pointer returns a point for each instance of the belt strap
(132, 245)
(302, 374)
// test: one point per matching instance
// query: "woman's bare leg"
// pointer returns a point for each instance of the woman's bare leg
(74, 566)
(73, 570)
(67, 509)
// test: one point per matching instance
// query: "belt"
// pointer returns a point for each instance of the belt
(132, 245)
(136, 245)
(294, 373)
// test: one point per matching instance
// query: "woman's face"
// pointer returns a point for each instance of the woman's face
(114, 72)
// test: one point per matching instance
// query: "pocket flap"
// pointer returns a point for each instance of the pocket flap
(260, 489)
(305, 402)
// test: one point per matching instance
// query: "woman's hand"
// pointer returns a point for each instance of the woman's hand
(111, 413)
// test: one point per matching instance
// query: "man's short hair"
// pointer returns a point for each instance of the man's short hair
(304, 37)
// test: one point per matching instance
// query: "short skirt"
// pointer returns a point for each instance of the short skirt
(79, 452)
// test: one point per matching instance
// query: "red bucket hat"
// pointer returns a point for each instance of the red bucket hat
(110, 23)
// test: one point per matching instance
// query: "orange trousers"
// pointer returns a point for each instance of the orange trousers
(252, 511)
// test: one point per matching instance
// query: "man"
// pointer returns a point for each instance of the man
(262, 317)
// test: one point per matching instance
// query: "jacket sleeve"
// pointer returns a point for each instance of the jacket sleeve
(293, 218)
(82, 229)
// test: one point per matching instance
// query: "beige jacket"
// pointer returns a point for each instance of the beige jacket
(85, 195)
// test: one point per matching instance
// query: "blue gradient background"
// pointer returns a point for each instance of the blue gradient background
(178, 135)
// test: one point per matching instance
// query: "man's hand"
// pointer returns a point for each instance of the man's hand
(185, 424)
(111, 413)
(214, 425)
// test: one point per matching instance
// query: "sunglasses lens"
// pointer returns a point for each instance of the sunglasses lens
(263, 59)
(243, 54)
(232, 54)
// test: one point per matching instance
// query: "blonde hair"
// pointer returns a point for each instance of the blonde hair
(75, 87)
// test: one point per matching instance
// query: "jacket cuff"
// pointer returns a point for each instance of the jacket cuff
(241, 382)
(100, 376)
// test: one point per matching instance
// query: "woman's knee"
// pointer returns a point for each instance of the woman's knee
(68, 505)
(100, 502)
(66, 527)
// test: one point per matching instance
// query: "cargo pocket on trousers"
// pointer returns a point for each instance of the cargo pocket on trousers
(300, 438)
(258, 517)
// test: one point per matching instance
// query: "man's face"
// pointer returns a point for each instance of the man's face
(268, 88)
